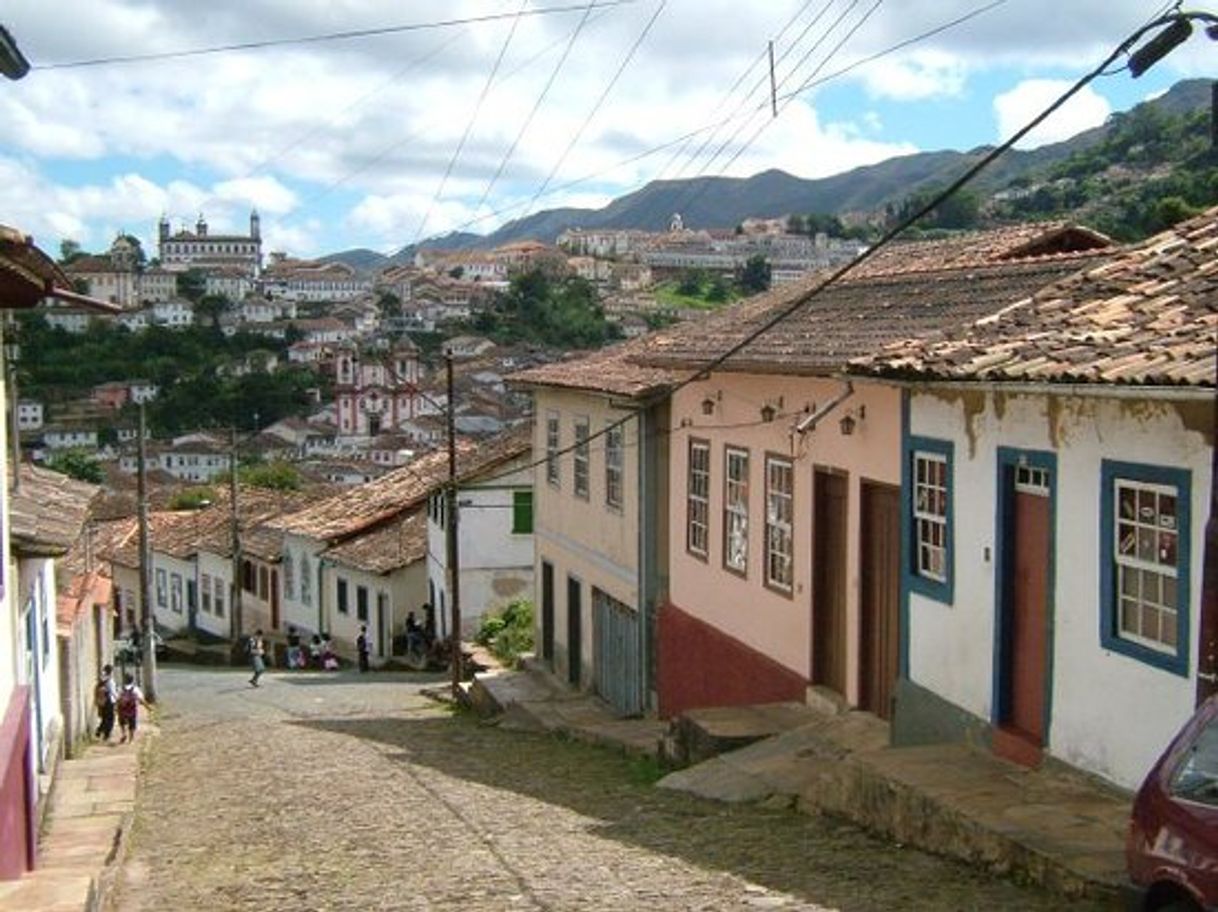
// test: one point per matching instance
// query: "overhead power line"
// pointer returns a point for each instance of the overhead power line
(329, 36)
(469, 126)
(784, 313)
(685, 137)
(528, 121)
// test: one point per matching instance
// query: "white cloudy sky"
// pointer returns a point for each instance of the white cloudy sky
(346, 143)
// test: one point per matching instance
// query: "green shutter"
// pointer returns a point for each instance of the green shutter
(522, 512)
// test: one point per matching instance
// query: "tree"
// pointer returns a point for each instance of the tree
(691, 283)
(456, 272)
(717, 292)
(277, 476)
(212, 307)
(754, 277)
(69, 251)
(76, 464)
(192, 285)
(796, 225)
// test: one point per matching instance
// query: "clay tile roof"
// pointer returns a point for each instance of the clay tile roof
(610, 370)
(48, 514)
(908, 291)
(372, 503)
(387, 548)
(1148, 315)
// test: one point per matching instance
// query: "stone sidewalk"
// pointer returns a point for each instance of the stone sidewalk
(91, 807)
(1049, 826)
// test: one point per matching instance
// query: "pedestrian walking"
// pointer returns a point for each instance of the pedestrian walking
(257, 651)
(128, 707)
(105, 695)
(362, 646)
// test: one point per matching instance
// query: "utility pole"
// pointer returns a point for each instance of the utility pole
(147, 614)
(450, 526)
(773, 85)
(12, 351)
(235, 600)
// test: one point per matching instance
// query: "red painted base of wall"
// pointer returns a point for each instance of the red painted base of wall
(701, 666)
(18, 831)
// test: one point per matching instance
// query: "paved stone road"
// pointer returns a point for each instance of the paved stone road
(339, 792)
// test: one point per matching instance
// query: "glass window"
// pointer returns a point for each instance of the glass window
(779, 516)
(613, 465)
(697, 498)
(220, 585)
(289, 577)
(552, 474)
(361, 602)
(175, 593)
(1146, 553)
(522, 512)
(162, 598)
(930, 515)
(581, 458)
(736, 509)
(205, 587)
(343, 607)
(1197, 777)
(306, 581)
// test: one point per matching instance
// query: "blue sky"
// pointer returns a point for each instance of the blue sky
(354, 143)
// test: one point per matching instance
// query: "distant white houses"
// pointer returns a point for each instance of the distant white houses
(29, 415)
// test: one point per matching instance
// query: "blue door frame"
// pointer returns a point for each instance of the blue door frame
(1008, 460)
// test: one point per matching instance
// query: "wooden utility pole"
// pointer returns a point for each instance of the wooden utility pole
(235, 600)
(147, 613)
(450, 526)
(11, 353)
(773, 84)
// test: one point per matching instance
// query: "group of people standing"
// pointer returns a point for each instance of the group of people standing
(112, 701)
(318, 654)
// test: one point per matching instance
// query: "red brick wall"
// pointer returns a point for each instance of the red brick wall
(17, 831)
(701, 666)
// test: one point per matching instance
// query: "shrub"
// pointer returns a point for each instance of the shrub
(508, 634)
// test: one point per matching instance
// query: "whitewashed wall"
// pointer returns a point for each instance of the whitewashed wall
(1111, 714)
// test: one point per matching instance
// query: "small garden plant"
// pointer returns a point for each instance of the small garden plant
(508, 634)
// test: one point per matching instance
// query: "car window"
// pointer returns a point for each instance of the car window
(1197, 777)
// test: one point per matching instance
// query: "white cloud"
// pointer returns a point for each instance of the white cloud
(921, 74)
(1017, 107)
(266, 194)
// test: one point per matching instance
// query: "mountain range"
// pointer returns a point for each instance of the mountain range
(724, 202)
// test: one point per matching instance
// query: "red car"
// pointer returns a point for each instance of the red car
(1172, 849)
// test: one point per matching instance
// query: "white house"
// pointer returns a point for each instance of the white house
(1057, 464)
(29, 415)
(309, 593)
(374, 578)
(65, 438)
(176, 313)
(494, 529)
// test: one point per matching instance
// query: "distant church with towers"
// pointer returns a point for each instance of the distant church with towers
(215, 252)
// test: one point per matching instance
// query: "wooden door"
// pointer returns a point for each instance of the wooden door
(547, 613)
(879, 597)
(1028, 612)
(275, 599)
(574, 631)
(829, 580)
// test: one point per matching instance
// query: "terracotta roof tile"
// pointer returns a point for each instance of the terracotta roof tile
(1148, 316)
(610, 370)
(387, 548)
(49, 513)
(904, 293)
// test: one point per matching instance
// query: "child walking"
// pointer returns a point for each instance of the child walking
(129, 700)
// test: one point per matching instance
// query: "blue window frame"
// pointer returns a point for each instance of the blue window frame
(1145, 514)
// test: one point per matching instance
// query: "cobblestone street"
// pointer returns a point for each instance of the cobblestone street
(345, 792)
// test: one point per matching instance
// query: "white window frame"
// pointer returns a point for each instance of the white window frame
(1146, 583)
(553, 429)
(581, 483)
(614, 453)
(780, 524)
(697, 498)
(930, 500)
(736, 509)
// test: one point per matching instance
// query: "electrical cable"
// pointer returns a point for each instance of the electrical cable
(647, 153)
(536, 105)
(784, 312)
(469, 126)
(331, 36)
(599, 101)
